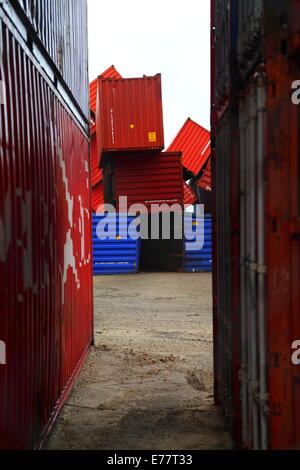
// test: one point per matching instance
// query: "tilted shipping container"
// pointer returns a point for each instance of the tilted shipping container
(193, 141)
(129, 115)
(46, 321)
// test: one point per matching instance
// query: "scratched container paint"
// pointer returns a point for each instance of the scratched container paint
(45, 235)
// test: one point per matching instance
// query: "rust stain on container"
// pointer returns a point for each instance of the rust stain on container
(255, 166)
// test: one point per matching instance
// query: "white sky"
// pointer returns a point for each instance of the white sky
(157, 36)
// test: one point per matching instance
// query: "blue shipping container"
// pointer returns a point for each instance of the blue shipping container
(200, 260)
(118, 254)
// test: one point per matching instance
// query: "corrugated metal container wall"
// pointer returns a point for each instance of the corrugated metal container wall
(282, 216)
(199, 260)
(266, 292)
(45, 254)
(119, 255)
(129, 114)
(96, 173)
(61, 27)
(98, 198)
(150, 179)
(225, 215)
(250, 35)
(205, 180)
(189, 196)
(194, 143)
(111, 72)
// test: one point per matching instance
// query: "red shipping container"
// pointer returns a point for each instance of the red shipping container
(98, 198)
(96, 173)
(154, 178)
(190, 197)
(129, 115)
(111, 72)
(46, 318)
(194, 143)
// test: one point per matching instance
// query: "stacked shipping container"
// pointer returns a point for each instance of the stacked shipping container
(129, 115)
(256, 173)
(45, 255)
(130, 138)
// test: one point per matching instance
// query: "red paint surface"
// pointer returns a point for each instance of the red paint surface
(194, 143)
(283, 252)
(111, 72)
(45, 261)
(129, 114)
(98, 198)
(205, 180)
(149, 178)
(189, 196)
(96, 173)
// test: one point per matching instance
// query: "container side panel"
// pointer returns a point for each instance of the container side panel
(45, 255)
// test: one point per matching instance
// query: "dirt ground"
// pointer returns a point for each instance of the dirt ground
(148, 382)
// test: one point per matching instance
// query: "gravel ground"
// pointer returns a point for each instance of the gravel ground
(148, 382)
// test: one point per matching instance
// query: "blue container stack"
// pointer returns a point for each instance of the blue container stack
(200, 260)
(117, 254)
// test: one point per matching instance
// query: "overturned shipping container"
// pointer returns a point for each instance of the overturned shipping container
(45, 227)
(257, 212)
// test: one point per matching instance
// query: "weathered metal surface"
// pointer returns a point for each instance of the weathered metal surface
(256, 176)
(194, 143)
(61, 30)
(45, 249)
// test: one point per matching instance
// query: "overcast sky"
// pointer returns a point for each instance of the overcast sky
(170, 37)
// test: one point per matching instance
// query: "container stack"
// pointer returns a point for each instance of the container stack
(96, 172)
(193, 141)
(128, 161)
(130, 143)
